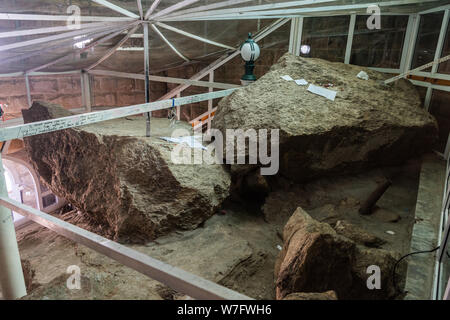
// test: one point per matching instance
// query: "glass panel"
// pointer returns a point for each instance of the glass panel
(427, 38)
(445, 66)
(380, 48)
(440, 108)
(327, 37)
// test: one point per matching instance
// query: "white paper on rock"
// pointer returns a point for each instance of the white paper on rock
(363, 75)
(329, 94)
(287, 78)
(190, 141)
(301, 82)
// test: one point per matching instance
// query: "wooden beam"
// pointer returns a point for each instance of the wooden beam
(190, 35)
(116, 8)
(171, 46)
(175, 278)
(112, 50)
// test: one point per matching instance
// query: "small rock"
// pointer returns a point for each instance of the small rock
(328, 295)
(385, 215)
(358, 234)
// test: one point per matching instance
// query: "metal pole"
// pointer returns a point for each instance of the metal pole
(210, 102)
(147, 80)
(11, 275)
(27, 85)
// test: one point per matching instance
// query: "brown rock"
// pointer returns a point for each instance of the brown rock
(313, 259)
(369, 124)
(328, 295)
(123, 180)
(316, 259)
(357, 234)
(28, 274)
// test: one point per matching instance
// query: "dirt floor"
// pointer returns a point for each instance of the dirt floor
(237, 247)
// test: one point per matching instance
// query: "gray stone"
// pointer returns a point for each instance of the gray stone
(122, 180)
(369, 124)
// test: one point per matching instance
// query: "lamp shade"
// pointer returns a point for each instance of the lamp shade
(250, 50)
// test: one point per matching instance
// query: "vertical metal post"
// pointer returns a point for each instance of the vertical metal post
(210, 102)
(178, 108)
(412, 43)
(440, 43)
(27, 85)
(86, 91)
(147, 80)
(351, 31)
(295, 40)
(11, 275)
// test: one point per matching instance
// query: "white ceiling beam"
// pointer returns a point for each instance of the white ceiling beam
(225, 58)
(170, 9)
(208, 7)
(54, 37)
(114, 33)
(112, 50)
(169, 44)
(43, 17)
(193, 36)
(141, 11)
(286, 12)
(240, 10)
(29, 32)
(116, 8)
(152, 9)
(206, 84)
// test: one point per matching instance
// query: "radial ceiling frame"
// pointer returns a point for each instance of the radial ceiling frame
(176, 12)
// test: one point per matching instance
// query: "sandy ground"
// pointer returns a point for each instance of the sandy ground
(236, 248)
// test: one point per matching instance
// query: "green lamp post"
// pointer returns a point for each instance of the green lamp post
(250, 52)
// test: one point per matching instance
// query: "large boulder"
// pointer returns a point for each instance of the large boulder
(368, 124)
(122, 180)
(315, 258)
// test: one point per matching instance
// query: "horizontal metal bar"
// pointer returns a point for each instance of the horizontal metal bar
(116, 8)
(177, 279)
(208, 7)
(99, 27)
(35, 128)
(193, 36)
(289, 12)
(30, 32)
(171, 46)
(254, 8)
(43, 17)
(177, 6)
(197, 83)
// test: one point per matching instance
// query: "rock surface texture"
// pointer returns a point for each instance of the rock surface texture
(368, 124)
(315, 258)
(122, 180)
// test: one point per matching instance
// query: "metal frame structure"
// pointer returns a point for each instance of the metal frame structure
(12, 278)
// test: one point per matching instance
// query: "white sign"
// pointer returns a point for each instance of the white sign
(287, 78)
(329, 94)
(301, 82)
